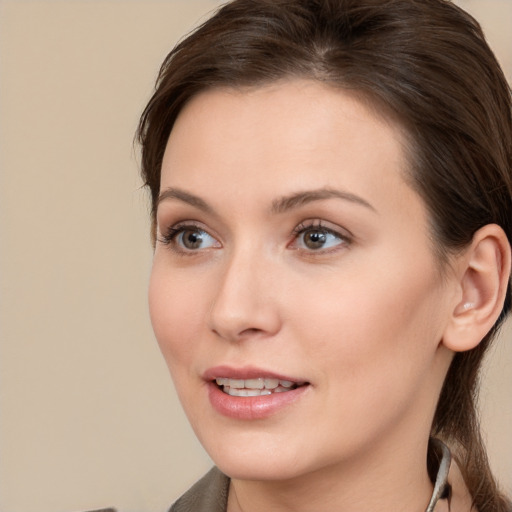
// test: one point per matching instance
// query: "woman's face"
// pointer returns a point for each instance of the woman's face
(292, 256)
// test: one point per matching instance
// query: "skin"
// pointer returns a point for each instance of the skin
(361, 320)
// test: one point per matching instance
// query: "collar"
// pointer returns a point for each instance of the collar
(442, 488)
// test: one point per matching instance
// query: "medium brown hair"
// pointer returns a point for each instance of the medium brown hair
(427, 62)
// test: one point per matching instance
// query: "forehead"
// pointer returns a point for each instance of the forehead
(300, 123)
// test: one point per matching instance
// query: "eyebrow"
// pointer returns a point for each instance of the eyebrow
(181, 195)
(299, 199)
(281, 205)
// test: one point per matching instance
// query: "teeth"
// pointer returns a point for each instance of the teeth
(236, 383)
(254, 383)
(255, 387)
(247, 392)
(271, 383)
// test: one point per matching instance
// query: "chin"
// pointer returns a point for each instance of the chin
(259, 468)
(263, 456)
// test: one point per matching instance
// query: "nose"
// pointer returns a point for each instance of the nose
(246, 304)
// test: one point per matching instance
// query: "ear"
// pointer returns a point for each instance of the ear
(483, 272)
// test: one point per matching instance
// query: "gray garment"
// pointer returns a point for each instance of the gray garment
(210, 494)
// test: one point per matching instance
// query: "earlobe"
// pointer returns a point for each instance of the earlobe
(484, 272)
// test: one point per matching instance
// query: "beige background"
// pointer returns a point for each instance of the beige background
(87, 414)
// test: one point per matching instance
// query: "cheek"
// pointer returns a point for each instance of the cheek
(176, 313)
(371, 329)
(373, 349)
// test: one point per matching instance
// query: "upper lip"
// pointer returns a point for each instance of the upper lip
(246, 372)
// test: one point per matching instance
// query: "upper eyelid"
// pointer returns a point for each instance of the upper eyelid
(320, 224)
(183, 224)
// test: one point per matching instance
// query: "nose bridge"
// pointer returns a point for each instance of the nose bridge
(245, 302)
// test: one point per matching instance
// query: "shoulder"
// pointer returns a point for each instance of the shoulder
(210, 494)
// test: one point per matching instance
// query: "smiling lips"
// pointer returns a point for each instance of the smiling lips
(255, 387)
(251, 393)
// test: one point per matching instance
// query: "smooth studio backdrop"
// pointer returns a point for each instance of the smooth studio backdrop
(88, 417)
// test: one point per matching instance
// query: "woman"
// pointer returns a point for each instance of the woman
(332, 216)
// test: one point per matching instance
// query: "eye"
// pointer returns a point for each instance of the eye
(195, 239)
(187, 238)
(315, 237)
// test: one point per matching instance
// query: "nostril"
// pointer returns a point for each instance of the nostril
(250, 331)
(235, 336)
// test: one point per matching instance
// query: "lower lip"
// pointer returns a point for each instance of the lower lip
(252, 407)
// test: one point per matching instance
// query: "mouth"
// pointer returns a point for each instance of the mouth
(251, 393)
(260, 386)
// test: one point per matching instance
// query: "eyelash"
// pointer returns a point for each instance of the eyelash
(169, 238)
(172, 232)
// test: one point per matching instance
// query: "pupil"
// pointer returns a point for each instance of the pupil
(191, 239)
(315, 239)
